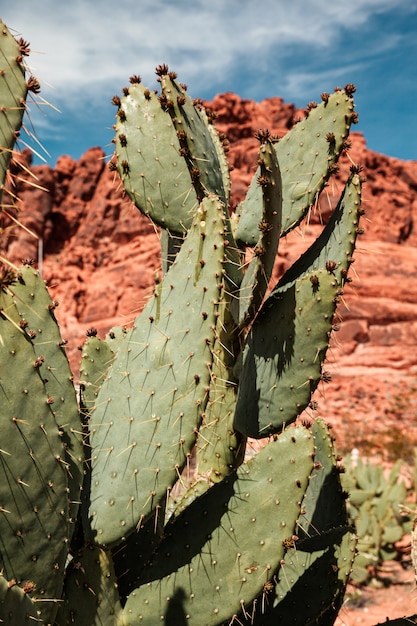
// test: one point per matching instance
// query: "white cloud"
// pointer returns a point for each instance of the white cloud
(83, 46)
(308, 84)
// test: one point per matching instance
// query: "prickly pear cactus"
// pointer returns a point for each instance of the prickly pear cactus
(375, 498)
(96, 513)
(13, 91)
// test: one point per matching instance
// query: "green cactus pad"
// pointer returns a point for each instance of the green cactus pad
(337, 241)
(34, 525)
(13, 92)
(224, 165)
(265, 233)
(219, 448)
(154, 174)
(324, 505)
(312, 579)
(36, 309)
(315, 570)
(132, 555)
(279, 362)
(306, 155)
(201, 155)
(219, 554)
(283, 354)
(96, 359)
(160, 377)
(91, 596)
(16, 606)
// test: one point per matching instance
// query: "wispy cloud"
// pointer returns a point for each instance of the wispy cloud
(302, 84)
(85, 46)
(84, 51)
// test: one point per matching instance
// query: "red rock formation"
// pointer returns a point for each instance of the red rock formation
(100, 258)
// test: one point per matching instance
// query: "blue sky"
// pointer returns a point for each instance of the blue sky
(83, 52)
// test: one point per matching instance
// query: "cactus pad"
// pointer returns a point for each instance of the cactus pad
(91, 595)
(34, 525)
(283, 354)
(36, 309)
(224, 548)
(160, 375)
(154, 174)
(13, 92)
(307, 155)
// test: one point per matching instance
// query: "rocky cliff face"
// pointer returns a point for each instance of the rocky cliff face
(100, 257)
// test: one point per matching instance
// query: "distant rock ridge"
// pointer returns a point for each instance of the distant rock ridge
(100, 257)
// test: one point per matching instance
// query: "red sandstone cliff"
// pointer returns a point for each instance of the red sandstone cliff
(100, 257)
